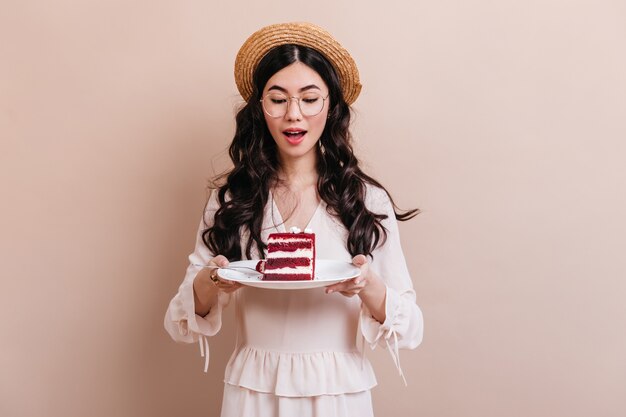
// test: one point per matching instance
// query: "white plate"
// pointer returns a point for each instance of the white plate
(327, 272)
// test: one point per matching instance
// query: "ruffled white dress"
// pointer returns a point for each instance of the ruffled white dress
(297, 350)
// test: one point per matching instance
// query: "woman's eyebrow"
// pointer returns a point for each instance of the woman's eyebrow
(277, 87)
(309, 87)
(305, 88)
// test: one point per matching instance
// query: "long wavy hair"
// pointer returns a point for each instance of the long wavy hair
(341, 182)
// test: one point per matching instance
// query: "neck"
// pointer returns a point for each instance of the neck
(298, 173)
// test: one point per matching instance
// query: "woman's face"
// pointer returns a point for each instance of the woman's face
(295, 134)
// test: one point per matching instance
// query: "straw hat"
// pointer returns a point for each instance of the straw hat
(299, 33)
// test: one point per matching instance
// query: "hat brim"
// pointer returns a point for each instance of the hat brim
(305, 34)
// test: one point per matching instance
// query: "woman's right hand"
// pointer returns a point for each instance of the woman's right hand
(207, 284)
(220, 261)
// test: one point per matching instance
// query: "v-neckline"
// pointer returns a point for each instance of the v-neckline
(281, 224)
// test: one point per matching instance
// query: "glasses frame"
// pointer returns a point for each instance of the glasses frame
(289, 99)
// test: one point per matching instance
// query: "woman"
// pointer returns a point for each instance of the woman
(296, 351)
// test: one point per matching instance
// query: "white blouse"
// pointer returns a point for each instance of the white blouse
(303, 343)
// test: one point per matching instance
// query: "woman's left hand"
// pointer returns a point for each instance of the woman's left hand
(354, 286)
(368, 286)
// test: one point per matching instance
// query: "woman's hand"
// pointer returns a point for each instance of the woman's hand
(354, 286)
(220, 261)
(207, 284)
(368, 286)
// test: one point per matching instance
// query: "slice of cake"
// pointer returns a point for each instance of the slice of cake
(290, 256)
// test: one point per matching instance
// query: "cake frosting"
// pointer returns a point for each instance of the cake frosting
(290, 256)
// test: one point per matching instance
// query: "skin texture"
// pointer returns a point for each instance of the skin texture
(296, 195)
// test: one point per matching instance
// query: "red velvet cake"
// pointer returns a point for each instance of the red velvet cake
(290, 256)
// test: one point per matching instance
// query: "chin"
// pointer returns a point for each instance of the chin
(297, 152)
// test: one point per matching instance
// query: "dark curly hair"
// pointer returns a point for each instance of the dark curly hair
(341, 183)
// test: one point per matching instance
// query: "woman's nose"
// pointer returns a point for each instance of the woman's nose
(293, 109)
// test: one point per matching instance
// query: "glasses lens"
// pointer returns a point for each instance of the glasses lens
(311, 104)
(275, 104)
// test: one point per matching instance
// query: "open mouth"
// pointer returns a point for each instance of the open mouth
(294, 136)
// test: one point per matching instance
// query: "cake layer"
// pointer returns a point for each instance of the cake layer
(289, 235)
(286, 277)
(288, 246)
(275, 263)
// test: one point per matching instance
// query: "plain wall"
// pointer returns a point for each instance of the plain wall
(504, 121)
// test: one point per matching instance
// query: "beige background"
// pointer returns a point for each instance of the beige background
(503, 121)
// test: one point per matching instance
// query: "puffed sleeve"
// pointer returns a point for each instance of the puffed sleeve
(404, 324)
(181, 321)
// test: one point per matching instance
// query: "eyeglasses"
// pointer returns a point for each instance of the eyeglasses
(277, 104)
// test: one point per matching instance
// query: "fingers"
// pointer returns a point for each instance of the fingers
(223, 285)
(351, 287)
(229, 286)
(226, 286)
(219, 260)
(362, 263)
(359, 260)
(343, 285)
(354, 286)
